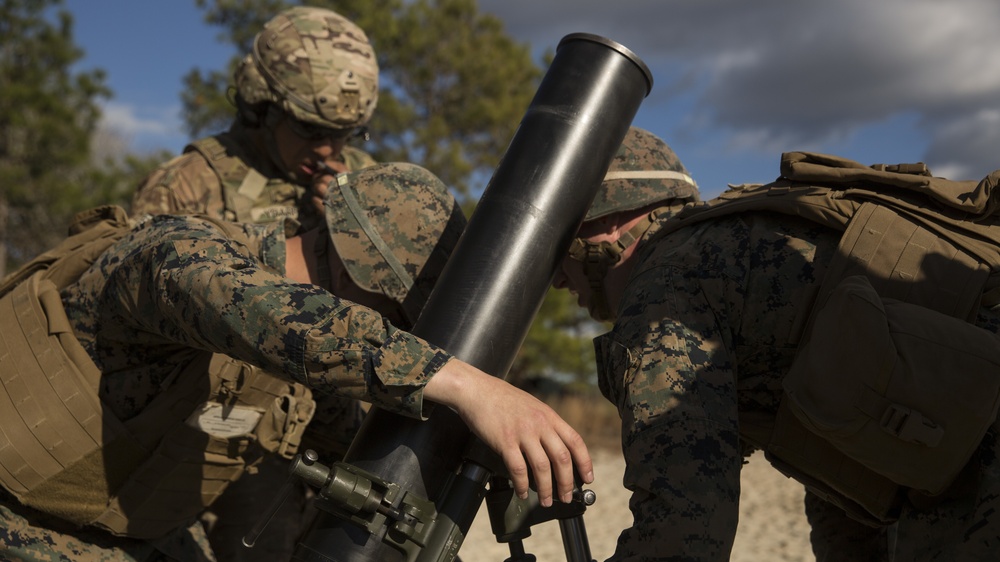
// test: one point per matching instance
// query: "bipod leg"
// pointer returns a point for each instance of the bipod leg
(517, 553)
(575, 542)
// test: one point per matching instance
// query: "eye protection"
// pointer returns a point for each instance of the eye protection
(312, 132)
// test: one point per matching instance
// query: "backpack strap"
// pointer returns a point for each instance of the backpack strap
(90, 233)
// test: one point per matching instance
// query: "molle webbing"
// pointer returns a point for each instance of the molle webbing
(27, 420)
(53, 425)
(907, 261)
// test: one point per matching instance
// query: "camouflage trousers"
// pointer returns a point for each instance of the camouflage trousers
(965, 527)
(27, 535)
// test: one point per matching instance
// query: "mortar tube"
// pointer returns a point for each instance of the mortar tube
(498, 275)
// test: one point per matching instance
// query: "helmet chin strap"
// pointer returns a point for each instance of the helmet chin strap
(599, 258)
(272, 116)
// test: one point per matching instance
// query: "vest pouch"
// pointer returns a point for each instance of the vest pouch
(185, 473)
(862, 493)
(283, 425)
(903, 390)
(210, 443)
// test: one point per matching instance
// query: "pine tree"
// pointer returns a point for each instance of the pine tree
(454, 87)
(47, 115)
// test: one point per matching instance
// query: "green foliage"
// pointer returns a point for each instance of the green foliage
(458, 86)
(47, 115)
(454, 84)
(48, 127)
(558, 347)
(206, 98)
(454, 87)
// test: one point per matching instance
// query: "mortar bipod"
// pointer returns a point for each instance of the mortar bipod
(415, 527)
(511, 519)
(401, 519)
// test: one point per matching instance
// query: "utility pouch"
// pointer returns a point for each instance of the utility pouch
(904, 390)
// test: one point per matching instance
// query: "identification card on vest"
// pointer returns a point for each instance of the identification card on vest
(224, 421)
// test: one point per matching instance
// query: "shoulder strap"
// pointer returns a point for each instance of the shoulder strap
(248, 195)
(241, 184)
(91, 233)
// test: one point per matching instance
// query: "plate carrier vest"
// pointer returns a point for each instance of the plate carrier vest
(63, 454)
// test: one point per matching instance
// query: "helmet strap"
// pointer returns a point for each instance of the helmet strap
(272, 116)
(599, 258)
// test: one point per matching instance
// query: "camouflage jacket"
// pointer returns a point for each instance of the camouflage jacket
(176, 287)
(709, 324)
(226, 177)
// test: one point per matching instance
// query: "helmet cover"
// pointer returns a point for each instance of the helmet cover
(316, 65)
(393, 225)
(644, 171)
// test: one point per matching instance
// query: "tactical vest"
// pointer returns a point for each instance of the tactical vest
(892, 387)
(248, 195)
(62, 453)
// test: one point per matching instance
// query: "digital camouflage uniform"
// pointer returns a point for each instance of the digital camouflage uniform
(706, 330)
(177, 288)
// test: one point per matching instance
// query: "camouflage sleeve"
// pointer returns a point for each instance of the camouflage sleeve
(183, 281)
(707, 329)
(185, 184)
(669, 367)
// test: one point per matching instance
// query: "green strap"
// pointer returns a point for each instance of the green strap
(373, 235)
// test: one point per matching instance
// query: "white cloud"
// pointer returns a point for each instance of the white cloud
(772, 73)
(128, 120)
(145, 128)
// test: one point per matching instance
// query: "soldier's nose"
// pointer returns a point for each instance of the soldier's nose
(559, 281)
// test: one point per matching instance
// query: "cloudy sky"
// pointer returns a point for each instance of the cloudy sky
(736, 82)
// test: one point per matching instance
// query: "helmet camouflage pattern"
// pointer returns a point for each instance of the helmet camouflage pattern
(316, 65)
(394, 226)
(644, 171)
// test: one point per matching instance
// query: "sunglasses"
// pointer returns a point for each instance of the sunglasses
(312, 132)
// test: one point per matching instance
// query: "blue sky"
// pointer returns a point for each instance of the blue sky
(736, 82)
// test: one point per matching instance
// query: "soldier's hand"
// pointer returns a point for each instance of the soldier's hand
(523, 430)
(321, 181)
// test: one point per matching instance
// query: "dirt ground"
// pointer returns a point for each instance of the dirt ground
(772, 525)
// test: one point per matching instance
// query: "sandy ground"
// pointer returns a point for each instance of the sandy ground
(772, 525)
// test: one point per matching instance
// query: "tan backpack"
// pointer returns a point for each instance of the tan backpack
(893, 387)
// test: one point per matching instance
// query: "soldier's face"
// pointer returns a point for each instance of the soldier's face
(300, 154)
(571, 274)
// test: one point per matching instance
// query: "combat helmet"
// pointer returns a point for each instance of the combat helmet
(393, 225)
(314, 64)
(644, 172)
